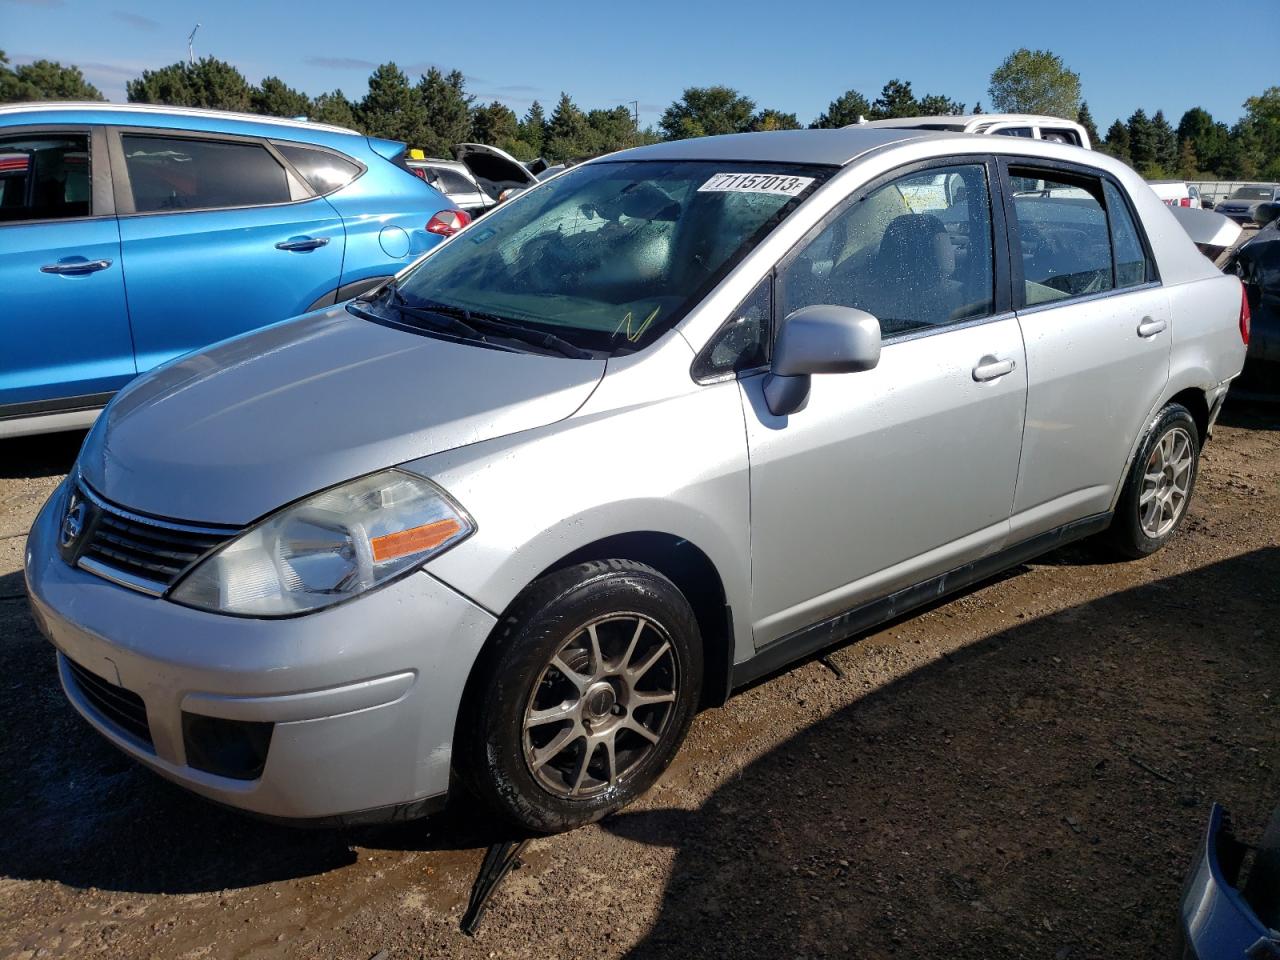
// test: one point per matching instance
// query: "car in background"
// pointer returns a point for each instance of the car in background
(1177, 193)
(1242, 203)
(478, 179)
(132, 234)
(1231, 900)
(1257, 264)
(380, 552)
(1033, 126)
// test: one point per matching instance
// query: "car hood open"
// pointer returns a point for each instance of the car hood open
(233, 432)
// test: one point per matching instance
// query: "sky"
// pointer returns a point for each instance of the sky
(793, 57)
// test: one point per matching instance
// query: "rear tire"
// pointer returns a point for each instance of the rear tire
(1158, 490)
(583, 698)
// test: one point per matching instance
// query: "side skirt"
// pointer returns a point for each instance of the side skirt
(844, 626)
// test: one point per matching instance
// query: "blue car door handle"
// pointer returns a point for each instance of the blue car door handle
(73, 267)
(299, 244)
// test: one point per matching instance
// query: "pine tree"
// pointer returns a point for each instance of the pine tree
(895, 100)
(209, 82)
(275, 98)
(336, 109)
(706, 112)
(446, 107)
(842, 111)
(1085, 119)
(568, 136)
(1165, 142)
(392, 108)
(1188, 164)
(1117, 142)
(533, 128)
(1142, 141)
(44, 80)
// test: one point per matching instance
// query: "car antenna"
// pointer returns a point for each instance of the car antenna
(499, 860)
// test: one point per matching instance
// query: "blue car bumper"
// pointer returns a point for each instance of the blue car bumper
(1217, 922)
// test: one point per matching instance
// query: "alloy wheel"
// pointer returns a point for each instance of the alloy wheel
(1166, 483)
(600, 706)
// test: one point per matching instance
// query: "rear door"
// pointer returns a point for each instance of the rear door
(1096, 324)
(219, 235)
(64, 329)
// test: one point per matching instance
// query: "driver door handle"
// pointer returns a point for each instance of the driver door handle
(989, 368)
(76, 266)
(298, 244)
(1149, 328)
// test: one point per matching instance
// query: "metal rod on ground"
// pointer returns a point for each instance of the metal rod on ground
(499, 860)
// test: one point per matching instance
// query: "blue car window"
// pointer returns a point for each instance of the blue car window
(168, 173)
(323, 170)
(44, 177)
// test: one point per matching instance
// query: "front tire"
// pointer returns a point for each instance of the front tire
(1158, 489)
(584, 697)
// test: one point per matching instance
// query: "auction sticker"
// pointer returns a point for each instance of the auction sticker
(781, 184)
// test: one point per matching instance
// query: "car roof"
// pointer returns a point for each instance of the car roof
(964, 119)
(827, 147)
(145, 114)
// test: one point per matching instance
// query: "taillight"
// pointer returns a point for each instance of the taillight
(448, 222)
(1244, 314)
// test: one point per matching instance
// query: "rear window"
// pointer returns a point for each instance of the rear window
(168, 173)
(44, 177)
(1251, 193)
(324, 171)
(1062, 231)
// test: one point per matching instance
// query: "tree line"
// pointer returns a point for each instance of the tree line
(437, 111)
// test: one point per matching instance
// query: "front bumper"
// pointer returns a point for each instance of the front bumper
(359, 700)
(1217, 922)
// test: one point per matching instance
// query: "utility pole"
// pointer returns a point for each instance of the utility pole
(191, 53)
(635, 112)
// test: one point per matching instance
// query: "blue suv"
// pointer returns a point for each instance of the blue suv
(132, 234)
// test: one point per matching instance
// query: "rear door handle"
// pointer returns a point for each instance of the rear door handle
(73, 267)
(1149, 328)
(989, 368)
(300, 244)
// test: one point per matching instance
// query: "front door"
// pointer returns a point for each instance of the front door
(218, 238)
(894, 475)
(64, 327)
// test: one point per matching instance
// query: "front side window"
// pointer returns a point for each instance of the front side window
(915, 253)
(325, 172)
(611, 254)
(1132, 265)
(1062, 233)
(168, 173)
(44, 177)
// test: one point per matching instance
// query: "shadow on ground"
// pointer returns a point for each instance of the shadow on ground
(47, 455)
(1037, 794)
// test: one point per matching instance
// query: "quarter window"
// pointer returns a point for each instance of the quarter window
(167, 173)
(1132, 265)
(916, 253)
(1062, 232)
(325, 172)
(742, 343)
(44, 177)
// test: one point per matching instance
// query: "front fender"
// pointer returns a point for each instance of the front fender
(676, 466)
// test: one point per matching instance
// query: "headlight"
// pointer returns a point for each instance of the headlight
(328, 548)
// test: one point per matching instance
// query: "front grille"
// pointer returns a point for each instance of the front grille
(141, 552)
(122, 708)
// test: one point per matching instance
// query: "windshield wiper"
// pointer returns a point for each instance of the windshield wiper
(491, 323)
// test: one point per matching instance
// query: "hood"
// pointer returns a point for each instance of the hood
(490, 163)
(236, 431)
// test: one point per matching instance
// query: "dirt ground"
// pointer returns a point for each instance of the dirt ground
(1022, 772)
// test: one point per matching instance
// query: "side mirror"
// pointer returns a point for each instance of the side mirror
(818, 339)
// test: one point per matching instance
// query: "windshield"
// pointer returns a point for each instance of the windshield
(1251, 193)
(610, 255)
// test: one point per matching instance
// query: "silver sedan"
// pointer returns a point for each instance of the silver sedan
(656, 428)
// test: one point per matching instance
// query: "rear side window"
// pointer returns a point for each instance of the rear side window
(44, 177)
(1062, 231)
(451, 181)
(1132, 265)
(325, 172)
(167, 173)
